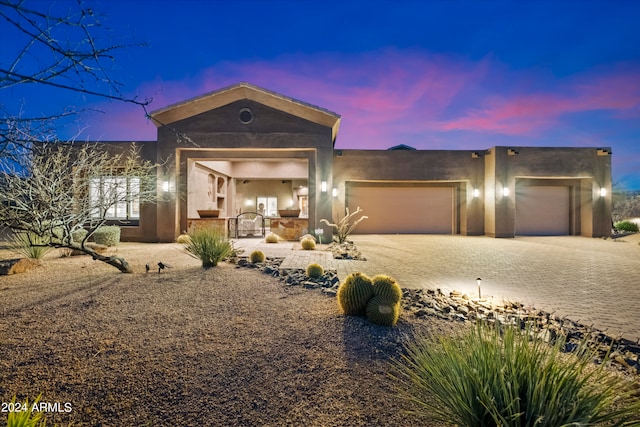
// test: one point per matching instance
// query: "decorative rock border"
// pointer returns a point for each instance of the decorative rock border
(457, 307)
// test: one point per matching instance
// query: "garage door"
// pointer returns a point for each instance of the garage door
(403, 209)
(542, 211)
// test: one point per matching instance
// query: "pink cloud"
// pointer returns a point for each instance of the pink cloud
(410, 96)
(531, 114)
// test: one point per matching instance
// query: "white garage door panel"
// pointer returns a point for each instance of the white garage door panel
(404, 209)
(542, 211)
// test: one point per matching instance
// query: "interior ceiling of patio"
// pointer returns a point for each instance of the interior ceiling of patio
(259, 168)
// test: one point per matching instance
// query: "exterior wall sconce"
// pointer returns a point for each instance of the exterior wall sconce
(165, 186)
(476, 193)
(505, 191)
(323, 186)
(603, 192)
(334, 192)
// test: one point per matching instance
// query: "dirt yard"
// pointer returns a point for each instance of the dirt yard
(192, 347)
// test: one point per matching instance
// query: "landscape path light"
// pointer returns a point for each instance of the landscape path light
(479, 282)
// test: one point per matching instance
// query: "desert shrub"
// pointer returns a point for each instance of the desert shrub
(626, 226)
(308, 244)
(315, 271)
(78, 236)
(26, 417)
(210, 246)
(108, 235)
(346, 225)
(256, 257)
(183, 239)
(510, 376)
(382, 311)
(387, 288)
(30, 245)
(272, 238)
(354, 294)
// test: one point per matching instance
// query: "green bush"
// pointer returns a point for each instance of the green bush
(387, 288)
(272, 238)
(208, 245)
(626, 226)
(78, 236)
(30, 245)
(257, 257)
(492, 376)
(354, 294)
(315, 271)
(308, 244)
(27, 417)
(107, 235)
(382, 311)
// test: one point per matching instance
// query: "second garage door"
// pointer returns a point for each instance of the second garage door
(403, 209)
(542, 210)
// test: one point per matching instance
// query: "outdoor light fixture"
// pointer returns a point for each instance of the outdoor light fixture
(165, 186)
(505, 191)
(334, 192)
(323, 186)
(479, 282)
(603, 192)
(476, 192)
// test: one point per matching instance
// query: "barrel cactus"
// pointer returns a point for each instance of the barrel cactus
(382, 311)
(272, 238)
(308, 244)
(315, 271)
(256, 257)
(354, 294)
(386, 288)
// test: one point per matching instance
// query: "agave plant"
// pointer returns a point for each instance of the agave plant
(209, 246)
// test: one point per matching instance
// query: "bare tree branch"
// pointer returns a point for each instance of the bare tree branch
(59, 190)
(63, 48)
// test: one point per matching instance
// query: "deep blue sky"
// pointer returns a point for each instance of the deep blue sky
(430, 74)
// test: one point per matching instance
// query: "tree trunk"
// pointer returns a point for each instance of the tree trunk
(115, 261)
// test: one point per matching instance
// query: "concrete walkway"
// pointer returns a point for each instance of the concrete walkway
(593, 281)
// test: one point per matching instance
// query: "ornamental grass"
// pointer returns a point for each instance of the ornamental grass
(508, 376)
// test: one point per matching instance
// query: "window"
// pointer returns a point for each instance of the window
(115, 198)
(267, 206)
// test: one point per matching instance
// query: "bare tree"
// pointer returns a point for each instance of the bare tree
(59, 190)
(56, 45)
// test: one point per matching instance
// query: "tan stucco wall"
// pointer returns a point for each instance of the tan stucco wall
(219, 135)
(451, 168)
(585, 170)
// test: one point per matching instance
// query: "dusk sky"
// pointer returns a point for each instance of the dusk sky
(429, 74)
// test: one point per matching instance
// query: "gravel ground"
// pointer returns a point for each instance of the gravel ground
(189, 346)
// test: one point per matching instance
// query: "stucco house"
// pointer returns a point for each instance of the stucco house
(247, 149)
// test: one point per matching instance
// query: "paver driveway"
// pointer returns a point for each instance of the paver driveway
(594, 281)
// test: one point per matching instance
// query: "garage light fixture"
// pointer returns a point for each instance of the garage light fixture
(323, 186)
(334, 192)
(505, 191)
(603, 192)
(476, 192)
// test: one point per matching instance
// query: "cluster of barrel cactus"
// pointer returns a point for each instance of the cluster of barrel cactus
(378, 298)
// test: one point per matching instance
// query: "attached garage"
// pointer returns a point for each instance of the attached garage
(543, 210)
(403, 209)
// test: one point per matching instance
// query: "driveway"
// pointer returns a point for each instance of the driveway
(594, 281)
